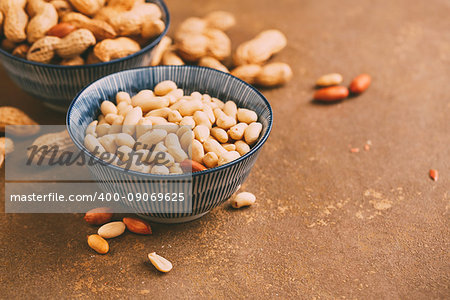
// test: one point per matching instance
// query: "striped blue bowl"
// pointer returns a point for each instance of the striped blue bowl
(208, 188)
(57, 85)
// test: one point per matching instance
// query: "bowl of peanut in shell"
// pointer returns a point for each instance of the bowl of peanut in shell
(53, 49)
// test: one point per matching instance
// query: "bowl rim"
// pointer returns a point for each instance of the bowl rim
(150, 46)
(252, 151)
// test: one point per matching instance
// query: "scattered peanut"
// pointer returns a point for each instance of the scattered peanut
(360, 83)
(274, 74)
(111, 230)
(243, 199)
(6, 145)
(332, 93)
(58, 143)
(195, 39)
(211, 62)
(329, 79)
(221, 20)
(160, 263)
(434, 174)
(14, 116)
(159, 50)
(261, 48)
(170, 58)
(98, 216)
(270, 75)
(137, 226)
(248, 73)
(99, 244)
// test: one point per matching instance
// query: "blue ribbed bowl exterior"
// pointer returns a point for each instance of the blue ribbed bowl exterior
(209, 188)
(57, 85)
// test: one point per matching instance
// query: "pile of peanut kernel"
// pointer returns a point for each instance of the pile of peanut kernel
(194, 132)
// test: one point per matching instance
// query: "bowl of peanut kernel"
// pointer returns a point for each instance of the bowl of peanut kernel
(52, 49)
(170, 130)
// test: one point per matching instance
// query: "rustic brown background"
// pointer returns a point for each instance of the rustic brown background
(328, 223)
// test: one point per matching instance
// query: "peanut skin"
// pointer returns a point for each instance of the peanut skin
(360, 83)
(331, 94)
(99, 28)
(61, 30)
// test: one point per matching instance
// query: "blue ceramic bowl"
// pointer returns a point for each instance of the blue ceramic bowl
(208, 188)
(57, 85)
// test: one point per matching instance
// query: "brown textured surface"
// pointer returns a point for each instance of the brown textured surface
(328, 223)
